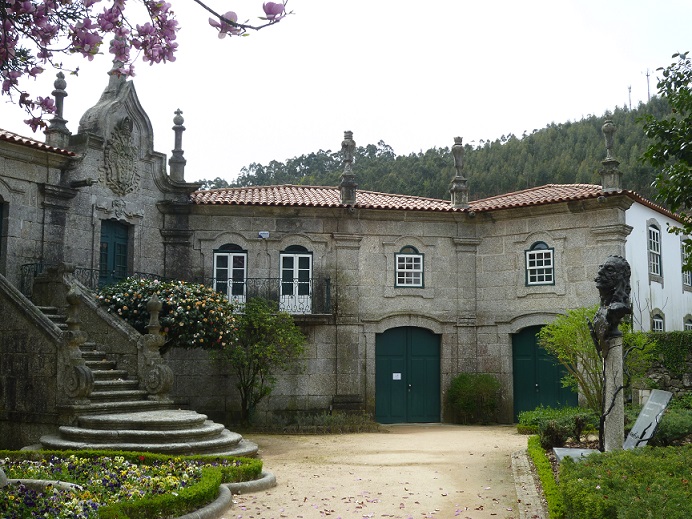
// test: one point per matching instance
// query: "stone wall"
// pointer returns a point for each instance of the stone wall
(28, 379)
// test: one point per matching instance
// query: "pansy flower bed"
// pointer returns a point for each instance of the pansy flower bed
(116, 484)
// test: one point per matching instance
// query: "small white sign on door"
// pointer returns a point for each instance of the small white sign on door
(396, 376)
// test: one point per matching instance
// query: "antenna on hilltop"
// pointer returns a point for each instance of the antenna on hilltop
(629, 91)
(648, 90)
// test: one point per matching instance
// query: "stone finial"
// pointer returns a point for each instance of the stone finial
(611, 177)
(154, 306)
(57, 133)
(177, 161)
(348, 179)
(459, 188)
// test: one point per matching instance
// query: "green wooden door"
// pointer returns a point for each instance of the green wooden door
(407, 376)
(537, 375)
(113, 252)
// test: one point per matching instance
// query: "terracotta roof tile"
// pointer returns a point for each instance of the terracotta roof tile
(33, 143)
(316, 196)
(547, 194)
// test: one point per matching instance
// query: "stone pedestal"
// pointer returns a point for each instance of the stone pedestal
(614, 426)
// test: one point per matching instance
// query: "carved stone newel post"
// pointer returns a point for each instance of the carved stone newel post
(75, 379)
(156, 376)
(613, 283)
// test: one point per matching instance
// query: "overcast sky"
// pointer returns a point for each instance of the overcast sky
(414, 74)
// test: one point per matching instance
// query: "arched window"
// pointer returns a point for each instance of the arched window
(296, 280)
(540, 265)
(657, 322)
(688, 324)
(409, 268)
(230, 272)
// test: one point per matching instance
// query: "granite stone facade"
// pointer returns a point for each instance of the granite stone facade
(59, 204)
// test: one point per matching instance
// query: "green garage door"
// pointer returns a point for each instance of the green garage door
(407, 376)
(537, 375)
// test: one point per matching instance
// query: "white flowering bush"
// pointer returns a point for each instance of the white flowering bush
(192, 315)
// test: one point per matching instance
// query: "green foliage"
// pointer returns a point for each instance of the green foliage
(569, 152)
(675, 427)
(474, 397)
(556, 426)
(192, 315)
(568, 338)
(101, 473)
(635, 484)
(544, 471)
(673, 348)
(266, 340)
(670, 152)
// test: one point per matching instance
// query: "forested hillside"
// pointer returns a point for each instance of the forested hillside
(560, 153)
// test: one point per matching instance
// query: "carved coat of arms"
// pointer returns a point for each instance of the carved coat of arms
(120, 160)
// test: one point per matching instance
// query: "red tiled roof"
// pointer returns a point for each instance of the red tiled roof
(32, 143)
(316, 196)
(541, 195)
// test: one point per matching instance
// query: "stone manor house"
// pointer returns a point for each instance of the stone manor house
(396, 294)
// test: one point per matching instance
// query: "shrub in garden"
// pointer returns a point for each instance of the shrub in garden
(192, 315)
(556, 426)
(266, 340)
(638, 483)
(474, 397)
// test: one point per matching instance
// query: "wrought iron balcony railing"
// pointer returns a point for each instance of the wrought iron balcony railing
(295, 296)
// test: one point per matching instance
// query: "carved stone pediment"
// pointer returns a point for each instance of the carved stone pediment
(120, 160)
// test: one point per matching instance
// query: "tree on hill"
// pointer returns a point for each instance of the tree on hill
(568, 152)
(671, 149)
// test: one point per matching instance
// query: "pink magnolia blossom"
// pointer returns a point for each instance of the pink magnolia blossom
(40, 31)
(224, 27)
(274, 11)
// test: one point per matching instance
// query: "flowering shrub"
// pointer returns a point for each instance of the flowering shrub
(105, 481)
(192, 315)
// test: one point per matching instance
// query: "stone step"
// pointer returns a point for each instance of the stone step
(118, 395)
(116, 384)
(92, 354)
(208, 430)
(110, 374)
(156, 420)
(98, 408)
(227, 444)
(101, 364)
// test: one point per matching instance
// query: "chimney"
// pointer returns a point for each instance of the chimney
(611, 177)
(348, 179)
(57, 133)
(459, 188)
(177, 161)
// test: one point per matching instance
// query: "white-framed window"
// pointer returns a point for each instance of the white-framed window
(409, 268)
(686, 274)
(540, 264)
(657, 323)
(654, 248)
(296, 280)
(230, 272)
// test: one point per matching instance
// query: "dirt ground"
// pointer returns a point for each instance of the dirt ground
(406, 471)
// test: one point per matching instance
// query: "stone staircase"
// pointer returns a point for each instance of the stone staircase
(121, 416)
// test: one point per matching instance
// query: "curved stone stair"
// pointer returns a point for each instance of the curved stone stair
(166, 431)
(120, 416)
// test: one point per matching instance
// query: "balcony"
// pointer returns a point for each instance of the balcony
(308, 300)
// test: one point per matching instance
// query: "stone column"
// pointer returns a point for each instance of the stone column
(614, 426)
